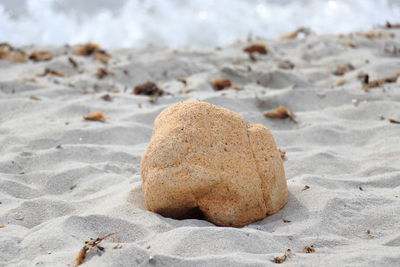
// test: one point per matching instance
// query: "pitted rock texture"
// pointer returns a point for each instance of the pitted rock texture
(207, 158)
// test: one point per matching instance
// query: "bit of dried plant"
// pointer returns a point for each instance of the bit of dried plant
(223, 83)
(95, 116)
(92, 49)
(308, 249)
(259, 47)
(389, 25)
(106, 97)
(342, 69)
(367, 84)
(89, 245)
(34, 98)
(73, 62)
(305, 188)
(148, 88)
(49, 71)
(101, 73)
(393, 121)
(280, 112)
(294, 34)
(283, 258)
(40, 56)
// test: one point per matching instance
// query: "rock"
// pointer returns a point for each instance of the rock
(207, 159)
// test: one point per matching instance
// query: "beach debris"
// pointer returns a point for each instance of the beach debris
(148, 88)
(258, 47)
(95, 116)
(368, 232)
(281, 259)
(367, 84)
(106, 97)
(34, 98)
(8, 52)
(295, 34)
(305, 188)
(59, 147)
(342, 69)
(92, 49)
(40, 56)
(281, 112)
(349, 44)
(285, 64)
(308, 249)
(390, 25)
(72, 187)
(223, 83)
(117, 246)
(393, 121)
(286, 221)
(89, 246)
(361, 189)
(214, 136)
(2, 225)
(72, 61)
(48, 71)
(102, 72)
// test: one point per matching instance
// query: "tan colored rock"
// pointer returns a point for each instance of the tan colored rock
(206, 157)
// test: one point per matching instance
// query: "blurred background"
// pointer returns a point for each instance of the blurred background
(126, 23)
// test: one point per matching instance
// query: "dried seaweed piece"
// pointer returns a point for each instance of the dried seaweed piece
(221, 84)
(280, 112)
(349, 44)
(342, 69)
(259, 47)
(92, 49)
(12, 56)
(283, 258)
(49, 71)
(148, 88)
(34, 98)
(389, 25)
(308, 249)
(95, 116)
(294, 34)
(393, 121)
(87, 49)
(40, 56)
(106, 97)
(89, 245)
(366, 84)
(73, 62)
(101, 73)
(305, 188)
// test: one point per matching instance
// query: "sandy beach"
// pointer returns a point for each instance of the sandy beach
(64, 179)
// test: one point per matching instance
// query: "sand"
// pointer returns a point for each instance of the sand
(64, 180)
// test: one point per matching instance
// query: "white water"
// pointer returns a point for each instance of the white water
(125, 23)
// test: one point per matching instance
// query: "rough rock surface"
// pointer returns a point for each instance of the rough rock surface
(205, 158)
